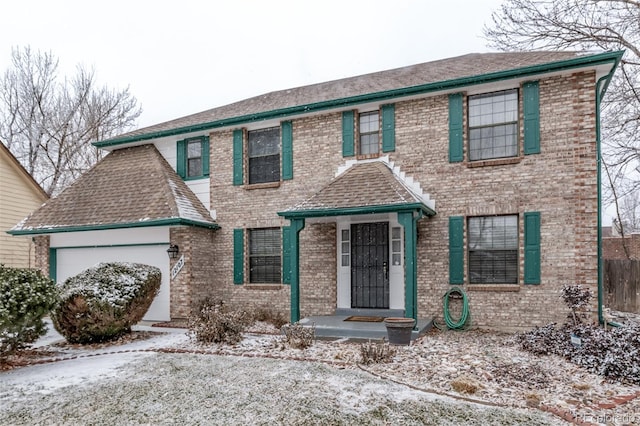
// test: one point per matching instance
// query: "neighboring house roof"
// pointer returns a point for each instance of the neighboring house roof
(445, 74)
(364, 187)
(130, 187)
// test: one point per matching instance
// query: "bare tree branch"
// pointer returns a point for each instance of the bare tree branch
(49, 124)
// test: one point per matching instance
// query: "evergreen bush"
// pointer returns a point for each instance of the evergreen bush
(103, 302)
(26, 296)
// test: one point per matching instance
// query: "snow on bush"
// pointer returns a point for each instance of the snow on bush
(103, 302)
(25, 297)
(613, 353)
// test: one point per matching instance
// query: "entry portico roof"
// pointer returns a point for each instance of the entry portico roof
(365, 187)
(130, 187)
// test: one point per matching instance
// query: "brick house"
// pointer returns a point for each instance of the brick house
(378, 192)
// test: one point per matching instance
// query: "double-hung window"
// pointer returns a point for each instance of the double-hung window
(493, 249)
(493, 125)
(193, 158)
(369, 126)
(264, 155)
(265, 258)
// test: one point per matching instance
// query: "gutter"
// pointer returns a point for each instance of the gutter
(591, 60)
(108, 226)
(601, 88)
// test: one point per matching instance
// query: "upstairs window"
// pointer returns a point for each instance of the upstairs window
(264, 155)
(493, 249)
(369, 126)
(493, 125)
(265, 256)
(193, 158)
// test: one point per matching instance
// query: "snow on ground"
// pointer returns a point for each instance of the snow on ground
(139, 383)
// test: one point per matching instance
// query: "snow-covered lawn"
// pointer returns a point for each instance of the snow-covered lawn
(165, 378)
(133, 384)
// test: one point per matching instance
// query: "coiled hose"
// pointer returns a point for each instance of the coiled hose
(459, 324)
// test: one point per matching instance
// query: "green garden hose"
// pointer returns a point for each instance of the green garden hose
(459, 324)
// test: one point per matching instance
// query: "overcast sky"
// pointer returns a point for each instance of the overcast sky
(183, 57)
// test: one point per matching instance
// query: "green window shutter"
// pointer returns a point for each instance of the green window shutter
(456, 250)
(238, 178)
(347, 134)
(287, 150)
(388, 128)
(532, 248)
(238, 256)
(181, 159)
(286, 255)
(531, 114)
(456, 121)
(205, 156)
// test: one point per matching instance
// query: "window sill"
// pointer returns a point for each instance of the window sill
(252, 186)
(493, 162)
(367, 156)
(493, 287)
(264, 286)
(190, 178)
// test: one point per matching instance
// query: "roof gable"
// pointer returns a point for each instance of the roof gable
(129, 187)
(29, 181)
(365, 185)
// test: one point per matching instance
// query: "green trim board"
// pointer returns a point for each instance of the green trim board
(444, 85)
(101, 227)
(409, 222)
(53, 264)
(348, 211)
(111, 246)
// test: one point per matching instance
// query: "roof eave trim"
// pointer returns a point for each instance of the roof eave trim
(108, 226)
(592, 60)
(349, 211)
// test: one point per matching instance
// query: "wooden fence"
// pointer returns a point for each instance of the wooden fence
(622, 285)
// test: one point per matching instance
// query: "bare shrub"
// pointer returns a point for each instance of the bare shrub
(267, 314)
(465, 385)
(577, 298)
(298, 336)
(214, 322)
(376, 352)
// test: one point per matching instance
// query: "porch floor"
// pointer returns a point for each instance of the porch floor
(336, 326)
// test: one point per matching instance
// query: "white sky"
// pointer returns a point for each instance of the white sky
(183, 57)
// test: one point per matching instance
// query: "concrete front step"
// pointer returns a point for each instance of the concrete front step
(336, 326)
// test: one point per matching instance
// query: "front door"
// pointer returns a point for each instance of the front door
(370, 265)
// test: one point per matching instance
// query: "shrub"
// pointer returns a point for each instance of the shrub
(613, 353)
(265, 314)
(577, 298)
(26, 296)
(376, 352)
(103, 302)
(298, 336)
(214, 322)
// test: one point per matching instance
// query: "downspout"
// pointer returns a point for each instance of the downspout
(601, 88)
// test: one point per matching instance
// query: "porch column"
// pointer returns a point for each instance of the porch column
(296, 226)
(409, 220)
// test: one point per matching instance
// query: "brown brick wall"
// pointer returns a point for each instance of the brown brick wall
(560, 183)
(42, 253)
(195, 280)
(613, 247)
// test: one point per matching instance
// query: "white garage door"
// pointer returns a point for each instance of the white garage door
(72, 261)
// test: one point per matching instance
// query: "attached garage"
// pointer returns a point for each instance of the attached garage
(73, 252)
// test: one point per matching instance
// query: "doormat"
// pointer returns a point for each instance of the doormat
(364, 318)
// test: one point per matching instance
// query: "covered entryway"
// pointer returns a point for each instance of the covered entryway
(370, 265)
(371, 204)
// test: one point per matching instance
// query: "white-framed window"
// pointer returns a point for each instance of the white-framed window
(264, 155)
(265, 255)
(493, 249)
(396, 246)
(369, 133)
(493, 125)
(345, 247)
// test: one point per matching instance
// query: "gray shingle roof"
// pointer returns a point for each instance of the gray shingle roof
(365, 184)
(430, 72)
(129, 186)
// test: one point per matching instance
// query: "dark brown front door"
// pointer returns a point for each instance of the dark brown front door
(370, 265)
